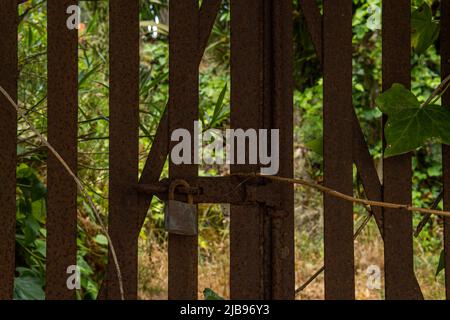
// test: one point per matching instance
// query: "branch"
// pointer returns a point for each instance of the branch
(340, 195)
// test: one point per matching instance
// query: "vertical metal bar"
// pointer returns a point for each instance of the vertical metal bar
(283, 274)
(62, 134)
(338, 161)
(124, 144)
(183, 111)
(8, 133)
(445, 65)
(247, 106)
(398, 245)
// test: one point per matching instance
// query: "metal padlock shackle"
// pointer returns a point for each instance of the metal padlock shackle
(177, 183)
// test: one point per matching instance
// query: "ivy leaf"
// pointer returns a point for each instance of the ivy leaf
(409, 125)
(425, 30)
(396, 100)
(28, 285)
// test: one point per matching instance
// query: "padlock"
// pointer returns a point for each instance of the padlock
(180, 217)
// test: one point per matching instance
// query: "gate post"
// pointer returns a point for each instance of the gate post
(262, 247)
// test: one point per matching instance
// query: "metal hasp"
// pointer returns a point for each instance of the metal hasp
(231, 190)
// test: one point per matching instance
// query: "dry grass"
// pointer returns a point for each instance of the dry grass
(214, 267)
(153, 271)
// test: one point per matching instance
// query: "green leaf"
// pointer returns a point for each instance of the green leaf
(219, 104)
(396, 100)
(316, 145)
(211, 295)
(441, 265)
(30, 229)
(101, 239)
(425, 30)
(41, 247)
(29, 183)
(84, 76)
(409, 125)
(28, 285)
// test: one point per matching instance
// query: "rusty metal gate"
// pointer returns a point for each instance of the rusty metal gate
(262, 212)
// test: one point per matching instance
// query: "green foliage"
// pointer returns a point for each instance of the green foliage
(211, 295)
(409, 124)
(30, 234)
(28, 285)
(425, 30)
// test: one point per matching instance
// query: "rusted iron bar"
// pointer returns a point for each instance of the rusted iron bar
(248, 265)
(400, 280)
(314, 21)
(338, 161)
(124, 147)
(62, 135)
(366, 171)
(8, 157)
(445, 65)
(183, 111)
(204, 189)
(281, 104)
